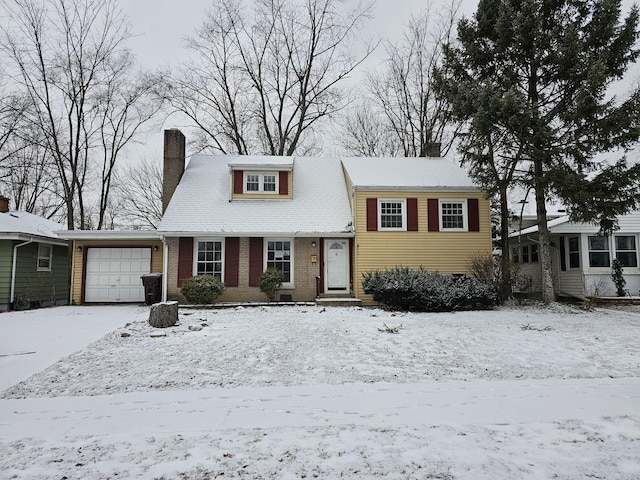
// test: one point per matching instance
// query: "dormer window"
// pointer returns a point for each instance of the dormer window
(260, 182)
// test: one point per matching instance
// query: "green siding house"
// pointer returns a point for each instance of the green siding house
(34, 261)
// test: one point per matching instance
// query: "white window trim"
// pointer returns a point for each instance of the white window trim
(194, 268)
(40, 256)
(403, 202)
(614, 250)
(610, 250)
(261, 176)
(465, 215)
(265, 252)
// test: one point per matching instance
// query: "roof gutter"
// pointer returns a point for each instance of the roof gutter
(13, 268)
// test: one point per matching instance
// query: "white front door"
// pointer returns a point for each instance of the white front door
(336, 254)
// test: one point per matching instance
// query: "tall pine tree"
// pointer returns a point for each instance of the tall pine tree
(536, 75)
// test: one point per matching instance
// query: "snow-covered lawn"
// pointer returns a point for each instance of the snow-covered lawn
(312, 392)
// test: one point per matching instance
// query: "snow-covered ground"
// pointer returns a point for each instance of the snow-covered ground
(311, 392)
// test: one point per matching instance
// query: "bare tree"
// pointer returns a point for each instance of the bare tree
(262, 83)
(70, 59)
(366, 133)
(402, 94)
(139, 188)
(28, 178)
(12, 110)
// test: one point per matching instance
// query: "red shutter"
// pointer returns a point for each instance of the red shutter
(284, 183)
(238, 182)
(412, 214)
(321, 251)
(473, 212)
(231, 261)
(372, 214)
(255, 260)
(185, 259)
(433, 214)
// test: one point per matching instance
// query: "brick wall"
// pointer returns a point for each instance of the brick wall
(305, 273)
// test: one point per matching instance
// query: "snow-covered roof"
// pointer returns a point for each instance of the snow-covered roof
(261, 162)
(407, 173)
(202, 203)
(628, 223)
(109, 234)
(534, 228)
(24, 225)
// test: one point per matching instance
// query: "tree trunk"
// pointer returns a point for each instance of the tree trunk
(547, 289)
(505, 263)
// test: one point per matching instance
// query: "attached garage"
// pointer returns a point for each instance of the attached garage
(107, 264)
(113, 274)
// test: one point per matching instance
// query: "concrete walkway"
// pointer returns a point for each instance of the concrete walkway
(377, 405)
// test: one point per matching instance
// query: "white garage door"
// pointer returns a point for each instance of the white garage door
(113, 274)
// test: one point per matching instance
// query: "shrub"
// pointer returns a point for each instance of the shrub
(270, 282)
(618, 278)
(202, 289)
(421, 290)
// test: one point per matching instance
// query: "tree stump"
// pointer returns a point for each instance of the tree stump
(164, 314)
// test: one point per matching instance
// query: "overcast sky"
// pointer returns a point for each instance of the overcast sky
(162, 25)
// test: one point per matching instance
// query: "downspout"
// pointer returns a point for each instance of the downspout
(165, 261)
(13, 268)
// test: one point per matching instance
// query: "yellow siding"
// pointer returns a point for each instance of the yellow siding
(77, 259)
(264, 196)
(447, 252)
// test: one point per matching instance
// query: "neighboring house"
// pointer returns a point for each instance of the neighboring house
(581, 258)
(106, 265)
(34, 261)
(322, 221)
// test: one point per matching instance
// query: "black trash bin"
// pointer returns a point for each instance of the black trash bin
(152, 287)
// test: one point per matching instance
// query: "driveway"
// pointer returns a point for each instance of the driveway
(32, 340)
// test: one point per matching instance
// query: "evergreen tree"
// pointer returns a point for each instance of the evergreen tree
(536, 75)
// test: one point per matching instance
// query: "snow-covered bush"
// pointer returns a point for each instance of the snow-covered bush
(270, 282)
(202, 289)
(421, 290)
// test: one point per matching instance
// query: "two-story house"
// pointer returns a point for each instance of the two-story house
(322, 221)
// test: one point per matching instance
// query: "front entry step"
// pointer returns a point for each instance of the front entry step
(339, 302)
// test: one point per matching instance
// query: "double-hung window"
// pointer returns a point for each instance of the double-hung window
(44, 258)
(209, 257)
(392, 214)
(599, 251)
(260, 182)
(574, 252)
(525, 254)
(453, 215)
(280, 256)
(626, 252)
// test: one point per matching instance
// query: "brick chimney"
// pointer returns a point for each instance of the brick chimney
(4, 204)
(433, 149)
(174, 157)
